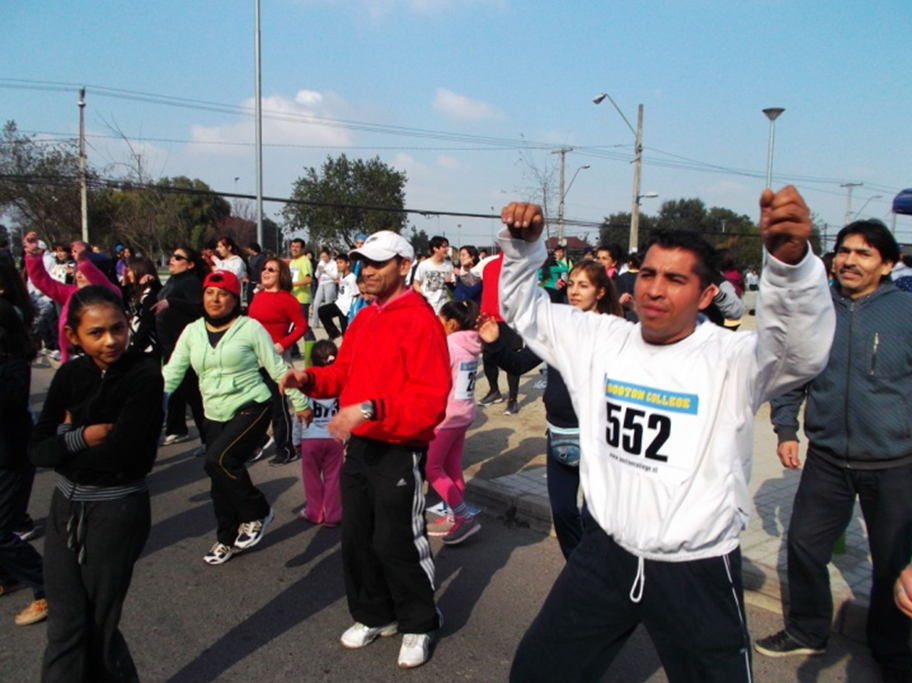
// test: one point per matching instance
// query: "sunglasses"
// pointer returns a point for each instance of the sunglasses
(271, 270)
(179, 257)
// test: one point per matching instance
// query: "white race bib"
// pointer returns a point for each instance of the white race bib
(652, 431)
(465, 381)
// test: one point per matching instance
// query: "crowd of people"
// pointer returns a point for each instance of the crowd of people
(649, 404)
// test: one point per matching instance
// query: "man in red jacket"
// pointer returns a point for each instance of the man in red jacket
(392, 377)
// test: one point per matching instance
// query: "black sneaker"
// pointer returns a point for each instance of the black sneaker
(491, 398)
(512, 407)
(782, 645)
(280, 460)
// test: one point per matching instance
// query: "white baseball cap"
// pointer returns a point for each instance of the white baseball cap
(384, 245)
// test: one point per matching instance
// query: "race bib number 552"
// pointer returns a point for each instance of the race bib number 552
(651, 430)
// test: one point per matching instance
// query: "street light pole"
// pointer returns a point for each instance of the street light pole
(637, 167)
(772, 113)
(83, 191)
(867, 201)
(259, 130)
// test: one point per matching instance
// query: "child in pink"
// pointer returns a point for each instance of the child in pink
(444, 458)
(321, 454)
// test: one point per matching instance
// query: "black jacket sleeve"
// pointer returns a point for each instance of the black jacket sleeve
(131, 445)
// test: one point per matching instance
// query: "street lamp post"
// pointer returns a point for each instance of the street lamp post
(867, 201)
(772, 113)
(637, 167)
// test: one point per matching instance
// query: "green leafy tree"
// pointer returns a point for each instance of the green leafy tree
(616, 229)
(337, 200)
(155, 217)
(39, 185)
(420, 241)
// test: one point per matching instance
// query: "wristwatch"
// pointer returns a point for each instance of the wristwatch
(368, 410)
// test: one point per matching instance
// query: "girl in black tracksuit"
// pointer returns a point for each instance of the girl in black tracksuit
(99, 429)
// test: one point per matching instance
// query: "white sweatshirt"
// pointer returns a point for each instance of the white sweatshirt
(666, 431)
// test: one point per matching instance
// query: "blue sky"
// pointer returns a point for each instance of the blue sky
(465, 81)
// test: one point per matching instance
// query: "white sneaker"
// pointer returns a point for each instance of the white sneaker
(358, 635)
(172, 439)
(219, 554)
(251, 533)
(415, 650)
(416, 647)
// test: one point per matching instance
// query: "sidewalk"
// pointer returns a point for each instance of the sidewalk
(505, 474)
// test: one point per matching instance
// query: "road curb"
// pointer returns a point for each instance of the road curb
(762, 584)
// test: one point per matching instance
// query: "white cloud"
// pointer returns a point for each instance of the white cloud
(462, 108)
(448, 162)
(287, 121)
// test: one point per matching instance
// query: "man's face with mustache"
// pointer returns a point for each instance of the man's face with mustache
(859, 267)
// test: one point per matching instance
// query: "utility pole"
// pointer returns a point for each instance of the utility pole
(848, 216)
(83, 192)
(637, 168)
(560, 209)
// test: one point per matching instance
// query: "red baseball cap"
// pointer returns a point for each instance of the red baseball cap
(223, 279)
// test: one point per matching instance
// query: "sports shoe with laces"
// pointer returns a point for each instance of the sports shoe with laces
(442, 525)
(280, 460)
(783, 645)
(219, 554)
(462, 529)
(416, 647)
(250, 533)
(172, 439)
(512, 407)
(32, 614)
(258, 453)
(359, 635)
(491, 398)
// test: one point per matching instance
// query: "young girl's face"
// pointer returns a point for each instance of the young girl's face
(582, 293)
(449, 325)
(103, 333)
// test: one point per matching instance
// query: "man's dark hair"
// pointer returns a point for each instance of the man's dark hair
(345, 257)
(875, 233)
(298, 240)
(616, 251)
(705, 267)
(255, 247)
(437, 241)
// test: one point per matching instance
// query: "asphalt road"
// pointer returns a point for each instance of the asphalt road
(276, 613)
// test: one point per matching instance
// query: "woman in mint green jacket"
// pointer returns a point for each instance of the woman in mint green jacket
(226, 351)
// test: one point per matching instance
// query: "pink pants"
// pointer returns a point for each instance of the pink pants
(321, 462)
(444, 464)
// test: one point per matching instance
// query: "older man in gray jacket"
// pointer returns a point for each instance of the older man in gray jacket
(858, 422)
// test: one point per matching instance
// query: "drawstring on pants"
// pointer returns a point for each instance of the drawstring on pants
(636, 591)
(76, 527)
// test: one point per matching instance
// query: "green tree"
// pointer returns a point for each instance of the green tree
(420, 241)
(39, 185)
(615, 229)
(155, 217)
(337, 200)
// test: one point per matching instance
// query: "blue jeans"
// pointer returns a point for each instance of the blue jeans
(822, 511)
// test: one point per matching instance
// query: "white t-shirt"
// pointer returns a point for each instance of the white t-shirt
(348, 290)
(433, 278)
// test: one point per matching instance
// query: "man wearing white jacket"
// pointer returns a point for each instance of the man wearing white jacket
(666, 409)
